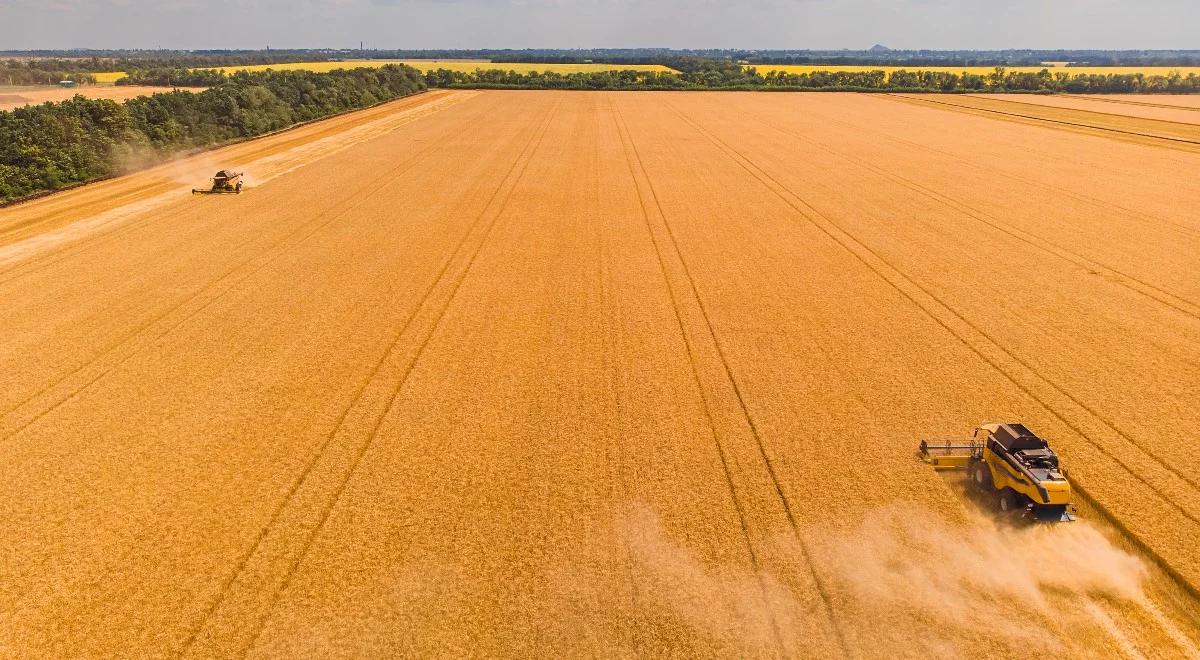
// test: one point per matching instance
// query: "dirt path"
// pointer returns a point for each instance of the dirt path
(525, 373)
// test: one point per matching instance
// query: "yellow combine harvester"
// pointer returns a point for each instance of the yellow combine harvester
(225, 182)
(1011, 465)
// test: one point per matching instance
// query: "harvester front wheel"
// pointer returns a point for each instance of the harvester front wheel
(981, 478)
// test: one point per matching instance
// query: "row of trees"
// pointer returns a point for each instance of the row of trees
(48, 70)
(52, 145)
(720, 74)
(41, 72)
(173, 77)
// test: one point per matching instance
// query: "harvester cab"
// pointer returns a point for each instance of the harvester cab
(225, 182)
(1010, 465)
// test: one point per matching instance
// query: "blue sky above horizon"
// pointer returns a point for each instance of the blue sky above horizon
(941, 24)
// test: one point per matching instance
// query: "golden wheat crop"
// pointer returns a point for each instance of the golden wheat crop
(554, 374)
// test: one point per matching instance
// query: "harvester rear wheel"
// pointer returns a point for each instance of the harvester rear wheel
(1006, 501)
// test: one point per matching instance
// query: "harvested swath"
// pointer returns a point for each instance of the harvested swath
(552, 373)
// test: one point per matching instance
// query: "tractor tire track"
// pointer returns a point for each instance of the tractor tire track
(97, 239)
(1116, 115)
(739, 508)
(947, 317)
(1146, 104)
(1147, 218)
(265, 257)
(115, 564)
(1151, 139)
(821, 587)
(616, 451)
(1133, 283)
(242, 639)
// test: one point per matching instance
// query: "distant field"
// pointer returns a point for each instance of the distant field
(1074, 70)
(16, 97)
(422, 65)
(109, 76)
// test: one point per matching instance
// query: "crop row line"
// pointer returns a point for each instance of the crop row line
(240, 566)
(616, 451)
(739, 508)
(743, 410)
(264, 257)
(1147, 218)
(495, 207)
(1168, 106)
(1047, 107)
(1133, 283)
(1062, 122)
(370, 186)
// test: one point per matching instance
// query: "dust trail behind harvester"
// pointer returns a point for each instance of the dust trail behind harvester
(1016, 583)
(908, 583)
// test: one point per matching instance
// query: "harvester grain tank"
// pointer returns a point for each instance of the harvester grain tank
(225, 182)
(1011, 466)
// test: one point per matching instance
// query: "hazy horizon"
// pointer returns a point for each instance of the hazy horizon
(476, 24)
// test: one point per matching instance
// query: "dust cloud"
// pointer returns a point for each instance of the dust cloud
(899, 574)
(715, 601)
(905, 555)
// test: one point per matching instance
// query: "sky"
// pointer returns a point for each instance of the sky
(751, 24)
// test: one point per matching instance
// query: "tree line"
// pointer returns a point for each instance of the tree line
(173, 77)
(700, 73)
(49, 146)
(52, 66)
(41, 72)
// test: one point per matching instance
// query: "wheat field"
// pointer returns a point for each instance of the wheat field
(607, 374)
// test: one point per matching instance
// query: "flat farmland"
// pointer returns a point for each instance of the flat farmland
(605, 374)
